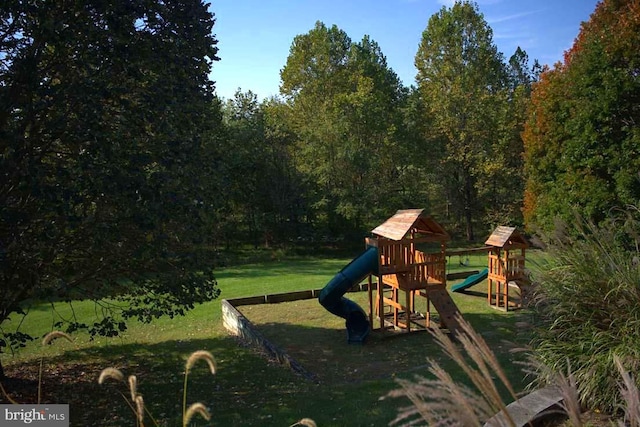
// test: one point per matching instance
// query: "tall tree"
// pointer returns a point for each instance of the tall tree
(460, 74)
(421, 151)
(582, 134)
(501, 183)
(105, 154)
(314, 75)
(285, 190)
(244, 165)
(345, 104)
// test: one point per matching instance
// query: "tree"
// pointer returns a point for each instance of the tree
(285, 190)
(345, 105)
(461, 76)
(582, 137)
(262, 191)
(313, 76)
(420, 152)
(106, 153)
(501, 183)
(244, 165)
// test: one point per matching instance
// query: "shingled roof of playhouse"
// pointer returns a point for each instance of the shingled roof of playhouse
(506, 237)
(411, 220)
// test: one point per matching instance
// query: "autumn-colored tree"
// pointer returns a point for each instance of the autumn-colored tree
(582, 137)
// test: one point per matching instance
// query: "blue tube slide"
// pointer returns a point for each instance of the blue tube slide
(331, 297)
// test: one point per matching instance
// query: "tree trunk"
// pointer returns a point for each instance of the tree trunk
(468, 203)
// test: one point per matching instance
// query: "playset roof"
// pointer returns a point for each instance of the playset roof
(410, 220)
(506, 237)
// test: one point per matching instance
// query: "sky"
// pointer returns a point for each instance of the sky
(254, 36)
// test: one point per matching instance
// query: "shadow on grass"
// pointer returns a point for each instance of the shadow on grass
(325, 352)
(248, 389)
(238, 386)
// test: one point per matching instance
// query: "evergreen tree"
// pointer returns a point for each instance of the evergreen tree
(107, 144)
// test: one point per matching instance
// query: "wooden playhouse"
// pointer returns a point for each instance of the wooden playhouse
(506, 267)
(408, 277)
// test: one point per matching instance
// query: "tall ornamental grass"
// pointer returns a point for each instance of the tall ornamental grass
(588, 303)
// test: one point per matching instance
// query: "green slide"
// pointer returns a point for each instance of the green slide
(331, 297)
(470, 281)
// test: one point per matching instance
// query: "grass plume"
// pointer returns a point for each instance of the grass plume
(630, 395)
(110, 373)
(133, 386)
(442, 401)
(196, 408)
(140, 410)
(191, 361)
(54, 335)
(201, 355)
(136, 404)
(48, 339)
(307, 422)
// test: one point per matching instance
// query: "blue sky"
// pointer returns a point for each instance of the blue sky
(254, 36)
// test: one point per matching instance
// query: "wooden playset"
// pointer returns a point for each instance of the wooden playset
(506, 267)
(408, 257)
(406, 274)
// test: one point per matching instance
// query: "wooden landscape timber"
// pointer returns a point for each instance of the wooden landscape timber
(528, 409)
(239, 325)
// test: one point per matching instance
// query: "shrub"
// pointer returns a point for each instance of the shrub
(588, 303)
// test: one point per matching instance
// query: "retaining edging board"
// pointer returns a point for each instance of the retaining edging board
(528, 408)
(237, 324)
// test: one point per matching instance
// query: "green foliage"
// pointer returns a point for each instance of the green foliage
(589, 307)
(263, 192)
(472, 107)
(345, 112)
(106, 155)
(582, 133)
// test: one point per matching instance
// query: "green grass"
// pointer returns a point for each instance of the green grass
(249, 390)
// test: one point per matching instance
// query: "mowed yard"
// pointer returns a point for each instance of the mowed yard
(248, 389)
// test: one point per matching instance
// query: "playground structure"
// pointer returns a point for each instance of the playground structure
(404, 274)
(407, 275)
(506, 267)
(505, 250)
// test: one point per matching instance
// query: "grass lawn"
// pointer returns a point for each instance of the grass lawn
(248, 390)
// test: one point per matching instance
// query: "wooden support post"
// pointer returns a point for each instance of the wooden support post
(370, 294)
(506, 296)
(380, 302)
(394, 297)
(407, 309)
